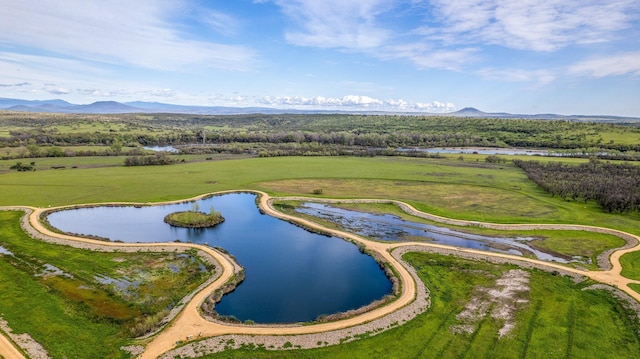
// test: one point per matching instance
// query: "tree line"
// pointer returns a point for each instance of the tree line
(615, 187)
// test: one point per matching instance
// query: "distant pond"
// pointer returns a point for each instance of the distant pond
(292, 275)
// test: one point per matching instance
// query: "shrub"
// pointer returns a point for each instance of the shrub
(23, 168)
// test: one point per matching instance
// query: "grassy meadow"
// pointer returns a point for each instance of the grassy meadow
(554, 318)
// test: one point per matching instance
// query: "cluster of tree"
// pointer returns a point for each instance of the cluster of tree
(495, 159)
(159, 158)
(303, 149)
(615, 187)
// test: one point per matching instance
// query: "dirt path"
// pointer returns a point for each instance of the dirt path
(8, 350)
(190, 325)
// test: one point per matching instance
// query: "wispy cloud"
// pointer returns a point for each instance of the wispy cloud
(537, 25)
(614, 65)
(536, 77)
(453, 34)
(219, 21)
(345, 24)
(353, 25)
(424, 57)
(137, 33)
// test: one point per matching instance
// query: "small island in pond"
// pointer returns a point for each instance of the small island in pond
(194, 219)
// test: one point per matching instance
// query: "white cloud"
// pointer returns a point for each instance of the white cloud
(538, 25)
(355, 102)
(138, 33)
(615, 65)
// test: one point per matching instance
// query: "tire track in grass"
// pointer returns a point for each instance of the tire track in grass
(474, 335)
(490, 354)
(571, 322)
(427, 343)
(444, 348)
(532, 323)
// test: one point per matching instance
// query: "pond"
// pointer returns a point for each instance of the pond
(292, 275)
(162, 149)
(387, 227)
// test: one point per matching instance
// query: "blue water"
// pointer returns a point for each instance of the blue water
(292, 275)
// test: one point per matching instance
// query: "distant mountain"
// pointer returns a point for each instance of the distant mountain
(10, 102)
(101, 107)
(469, 111)
(106, 107)
(112, 107)
(475, 113)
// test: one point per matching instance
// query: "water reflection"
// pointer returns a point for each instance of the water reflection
(292, 275)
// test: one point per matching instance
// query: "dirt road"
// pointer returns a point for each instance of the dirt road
(8, 350)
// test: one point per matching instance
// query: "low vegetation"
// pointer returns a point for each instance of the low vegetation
(23, 167)
(631, 266)
(78, 303)
(194, 219)
(553, 317)
(159, 158)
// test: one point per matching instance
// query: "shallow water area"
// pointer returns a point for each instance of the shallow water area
(5, 251)
(292, 275)
(387, 227)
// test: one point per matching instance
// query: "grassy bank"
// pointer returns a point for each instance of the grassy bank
(558, 320)
(79, 303)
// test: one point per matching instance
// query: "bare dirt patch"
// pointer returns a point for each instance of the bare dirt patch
(501, 302)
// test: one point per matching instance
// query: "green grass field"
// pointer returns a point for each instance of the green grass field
(558, 320)
(75, 314)
(631, 265)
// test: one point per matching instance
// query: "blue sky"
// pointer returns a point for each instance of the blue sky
(519, 56)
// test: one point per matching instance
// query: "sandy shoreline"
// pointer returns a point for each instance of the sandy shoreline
(188, 324)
